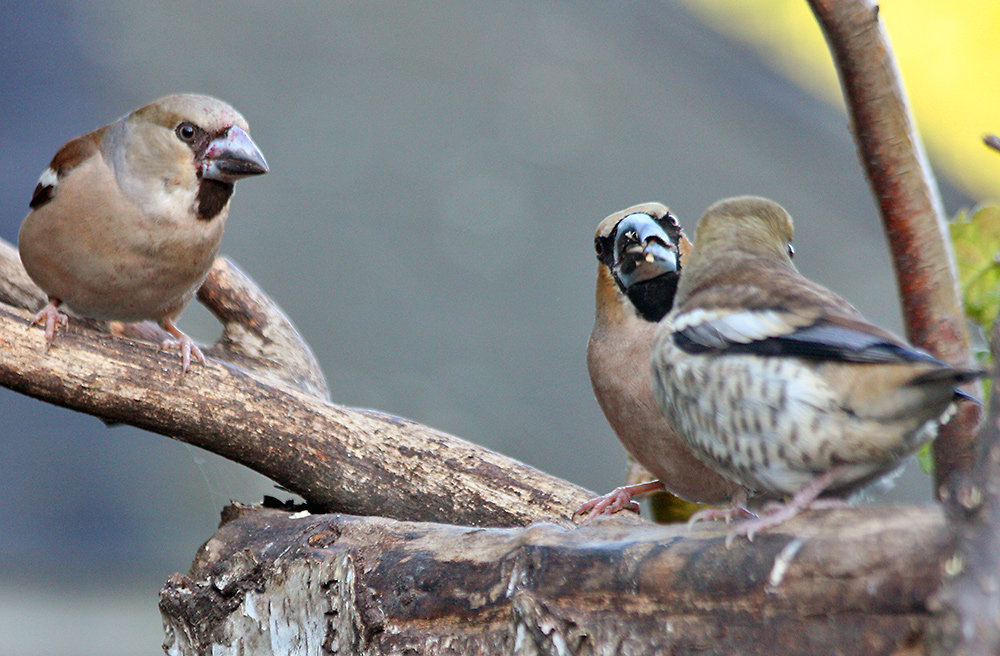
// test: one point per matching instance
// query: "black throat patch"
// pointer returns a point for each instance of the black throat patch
(212, 197)
(655, 297)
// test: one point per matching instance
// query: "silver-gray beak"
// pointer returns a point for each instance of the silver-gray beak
(233, 156)
(643, 250)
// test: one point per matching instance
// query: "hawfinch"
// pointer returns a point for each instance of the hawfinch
(126, 220)
(779, 384)
(639, 254)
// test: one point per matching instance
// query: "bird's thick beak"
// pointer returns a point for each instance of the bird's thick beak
(643, 250)
(232, 156)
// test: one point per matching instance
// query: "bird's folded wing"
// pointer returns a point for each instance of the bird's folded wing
(782, 333)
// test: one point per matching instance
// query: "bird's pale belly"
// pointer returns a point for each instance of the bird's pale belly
(772, 424)
(122, 286)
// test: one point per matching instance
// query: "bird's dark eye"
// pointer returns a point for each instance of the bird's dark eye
(186, 132)
(791, 251)
(598, 246)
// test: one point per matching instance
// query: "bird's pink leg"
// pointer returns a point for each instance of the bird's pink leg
(779, 513)
(737, 508)
(618, 499)
(183, 342)
(51, 317)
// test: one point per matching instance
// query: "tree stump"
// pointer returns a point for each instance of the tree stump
(276, 582)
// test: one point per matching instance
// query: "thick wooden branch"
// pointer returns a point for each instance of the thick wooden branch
(257, 335)
(264, 407)
(270, 582)
(894, 161)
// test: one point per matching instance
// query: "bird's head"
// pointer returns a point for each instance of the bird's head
(640, 250)
(749, 224)
(186, 141)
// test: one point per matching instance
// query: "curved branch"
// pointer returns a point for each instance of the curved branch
(901, 179)
(257, 335)
(16, 288)
(242, 408)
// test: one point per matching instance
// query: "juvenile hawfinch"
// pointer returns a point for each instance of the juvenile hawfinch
(126, 220)
(639, 254)
(779, 384)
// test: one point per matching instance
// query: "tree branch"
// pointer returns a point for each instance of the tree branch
(242, 408)
(16, 288)
(845, 582)
(894, 161)
(256, 333)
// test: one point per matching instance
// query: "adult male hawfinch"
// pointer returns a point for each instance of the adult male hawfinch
(640, 253)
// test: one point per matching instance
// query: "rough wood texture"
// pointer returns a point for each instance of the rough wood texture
(848, 582)
(894, 161)
(270, 582)
(263, 405)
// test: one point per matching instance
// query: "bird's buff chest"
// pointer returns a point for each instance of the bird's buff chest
(119, 258)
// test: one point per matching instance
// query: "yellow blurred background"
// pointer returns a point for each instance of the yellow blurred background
(947, 53)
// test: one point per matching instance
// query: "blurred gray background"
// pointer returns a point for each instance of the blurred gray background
(437, 172)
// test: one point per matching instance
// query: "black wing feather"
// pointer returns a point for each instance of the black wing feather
(820, 341)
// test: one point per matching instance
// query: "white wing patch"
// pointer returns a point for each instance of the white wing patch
(49, 178)
(696, 317)
(718, 327)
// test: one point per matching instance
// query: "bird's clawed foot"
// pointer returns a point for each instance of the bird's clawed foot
(50, 317)
(737, 508)
(183, 343)
(728, 514)
(775, 514)
(618, 499)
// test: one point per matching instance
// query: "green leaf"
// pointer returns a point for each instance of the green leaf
(926, 458)
(976, 240)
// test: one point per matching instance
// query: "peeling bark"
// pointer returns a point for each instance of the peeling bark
(269, 581)
(273, 582)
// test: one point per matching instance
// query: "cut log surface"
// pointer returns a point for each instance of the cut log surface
(275, 582)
